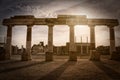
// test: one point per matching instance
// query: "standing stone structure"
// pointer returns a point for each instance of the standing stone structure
(71, 21)
(112, 43)
(93, 54)
(72, 47)
(8, 43)
(49, 53)
(27, 55)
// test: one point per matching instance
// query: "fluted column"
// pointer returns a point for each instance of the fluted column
(27, 55)
(112, 40)
(8, 47)
(49, 53)
(72, 46)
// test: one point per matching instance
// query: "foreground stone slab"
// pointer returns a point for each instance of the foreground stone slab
(94, 55)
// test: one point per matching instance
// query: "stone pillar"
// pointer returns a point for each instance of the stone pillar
(87, 46)
(92, 37)
(72, 46)
(81, 46)
(112, 41)
(49, 53)
(27, 55)
(8, 47)
(94, 55)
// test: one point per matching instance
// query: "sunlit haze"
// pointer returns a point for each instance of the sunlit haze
(49, 9)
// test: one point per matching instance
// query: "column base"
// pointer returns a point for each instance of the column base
(26, 57)
(115, 56)
(94, 55)
(49, 56)
(72, 56)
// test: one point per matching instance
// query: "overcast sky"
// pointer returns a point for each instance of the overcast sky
(51, 8)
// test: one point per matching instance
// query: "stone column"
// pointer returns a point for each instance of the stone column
(94, 55)
(81, 46)
(87, 46)
(112, 40)
(72, 46)
(49, 53)
(92, 37)
(27, 55)
(8, 47)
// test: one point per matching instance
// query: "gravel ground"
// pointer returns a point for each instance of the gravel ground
(59, 69)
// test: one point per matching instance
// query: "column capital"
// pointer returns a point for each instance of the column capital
(91, 25)
(110, 26)
(71, 25)
(51, 25)
(29, 26)
(10, 25)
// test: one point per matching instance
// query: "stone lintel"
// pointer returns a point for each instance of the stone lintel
(112, 22)
(18, 21)
(60, 20)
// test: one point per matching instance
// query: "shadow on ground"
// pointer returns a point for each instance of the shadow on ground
(55, 74)
(20, 67)
(114, 75)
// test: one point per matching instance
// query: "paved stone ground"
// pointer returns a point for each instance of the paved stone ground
(59, 69)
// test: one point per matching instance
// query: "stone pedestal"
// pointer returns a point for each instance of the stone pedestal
(49, 56)
(25, 57)
(94, 55)
(72, 56)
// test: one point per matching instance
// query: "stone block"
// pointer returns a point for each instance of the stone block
(25, 57)
(94, 55)
(49, 56)
(72, 56)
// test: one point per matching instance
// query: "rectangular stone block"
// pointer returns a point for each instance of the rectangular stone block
(25, 57)
(72, 56)
(49, 56)
(94, 55)
(113, 22)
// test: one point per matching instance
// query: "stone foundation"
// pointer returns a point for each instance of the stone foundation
(49, 56)
(94, 55)
(72, 56)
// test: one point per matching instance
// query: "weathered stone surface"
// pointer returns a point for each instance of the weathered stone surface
(60, 20)
(72, 56)
(25, 57)
(49, 56)
(113, 22)
(94, 55)
(59, 69)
